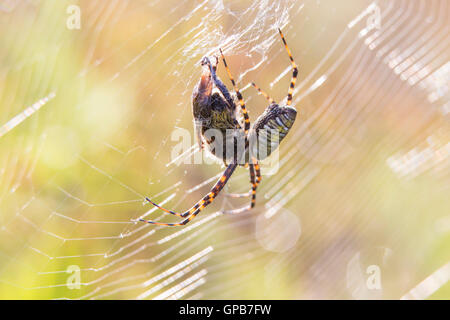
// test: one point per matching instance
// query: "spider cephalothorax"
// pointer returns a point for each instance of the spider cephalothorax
(215, 117)
(217, 127)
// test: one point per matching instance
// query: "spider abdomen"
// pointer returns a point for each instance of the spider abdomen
(270, 128)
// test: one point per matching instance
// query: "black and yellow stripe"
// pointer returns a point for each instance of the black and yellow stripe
(294, 67)
(258, 172)
(200, 205)
(270, 128)
(263, 93)
(238, 94)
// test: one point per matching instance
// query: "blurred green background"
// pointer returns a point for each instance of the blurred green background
(363, 178)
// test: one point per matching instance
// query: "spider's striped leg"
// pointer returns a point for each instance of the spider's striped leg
(199, 206)
(181, 215)
(258, 171)
(239, 95)
(254, 185)
(263, 93)
(294, 67)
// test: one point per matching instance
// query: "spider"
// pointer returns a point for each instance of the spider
(215, 108)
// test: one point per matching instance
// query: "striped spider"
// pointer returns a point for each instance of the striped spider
(214, 108)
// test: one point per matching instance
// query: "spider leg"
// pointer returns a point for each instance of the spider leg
(181, 215)
(263, 93)
(239, 95)
(200, 205)
(294, 67)
(254, 185)
(258, 172)
(219, 84)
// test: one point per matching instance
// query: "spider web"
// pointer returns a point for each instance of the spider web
(86, 133)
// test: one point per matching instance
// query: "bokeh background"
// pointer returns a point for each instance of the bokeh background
(359, 207)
